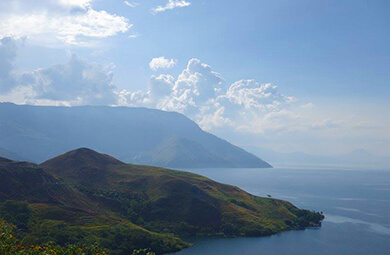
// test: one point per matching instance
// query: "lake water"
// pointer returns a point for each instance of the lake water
(356, 204)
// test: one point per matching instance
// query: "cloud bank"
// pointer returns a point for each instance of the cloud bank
(244, 109)
(202, 94)
(198, 91)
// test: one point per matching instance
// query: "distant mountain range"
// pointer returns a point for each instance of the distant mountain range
(134, 135)
(86, 197)
(356, 158)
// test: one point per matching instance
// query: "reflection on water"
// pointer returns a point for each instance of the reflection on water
(372, 226)
(356, 205)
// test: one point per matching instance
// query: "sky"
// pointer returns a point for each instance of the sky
(287, 75)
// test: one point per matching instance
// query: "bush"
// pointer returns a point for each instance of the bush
(16, 212)
(11, 245)
(229, 230)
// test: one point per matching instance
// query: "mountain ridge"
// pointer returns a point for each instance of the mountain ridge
(133, 135)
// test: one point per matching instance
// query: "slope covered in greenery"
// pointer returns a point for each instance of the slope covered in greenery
(94, 198)
(46, 208)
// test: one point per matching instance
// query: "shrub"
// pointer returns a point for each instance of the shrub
(16, 212)
(11, 245)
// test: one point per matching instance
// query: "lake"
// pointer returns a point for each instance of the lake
(356, 203)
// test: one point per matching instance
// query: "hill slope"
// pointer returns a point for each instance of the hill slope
(164, 197)
(91, 197)
(48, 209)
(136, 135)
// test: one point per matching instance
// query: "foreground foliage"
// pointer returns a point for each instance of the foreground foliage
(11, 245)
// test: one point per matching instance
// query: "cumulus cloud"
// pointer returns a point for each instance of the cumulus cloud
(198, 91)
(201, 93)
(51, 22)
(171, 4)
(215, 119)
(249, 106)
(162, 63)
(196, 85)
(252, 95)
(161, 86)
(77, 82)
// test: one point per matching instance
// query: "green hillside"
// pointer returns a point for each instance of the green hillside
(94, 198)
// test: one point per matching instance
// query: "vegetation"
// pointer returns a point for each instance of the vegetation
(17, 212)
(84, 197)
(11, 245)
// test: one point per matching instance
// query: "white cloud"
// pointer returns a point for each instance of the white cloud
(200, 93)
(77, 82)
(194, 88)
(51, 23)
(128, 98)
(188, 93)
(161, 86)
(134, 35)
(162, 63)
(216, 119)
(246, 111)
(171, 4)
(254, 107)
(131, 4)
(254, 96)
(76, 3)
(8, 52)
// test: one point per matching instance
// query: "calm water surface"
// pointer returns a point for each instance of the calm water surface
(356, 204)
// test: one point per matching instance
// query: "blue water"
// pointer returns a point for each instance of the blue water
(356, 204)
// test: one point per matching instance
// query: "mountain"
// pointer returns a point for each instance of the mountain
(85, 196)
(9, 155)
(356, 158)
(136, 135)
(180, 152)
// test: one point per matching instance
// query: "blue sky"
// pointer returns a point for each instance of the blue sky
(329, 60)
